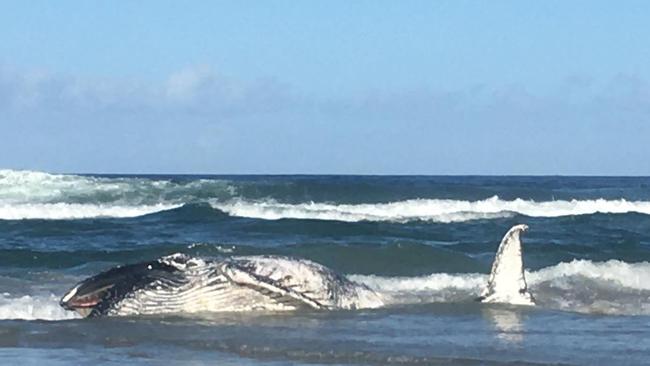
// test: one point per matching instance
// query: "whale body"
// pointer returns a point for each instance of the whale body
(179, 283)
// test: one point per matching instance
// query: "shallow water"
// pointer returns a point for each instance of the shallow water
(425, 242)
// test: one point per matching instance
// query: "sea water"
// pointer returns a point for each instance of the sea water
(425, 242)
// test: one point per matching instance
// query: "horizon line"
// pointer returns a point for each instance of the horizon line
(366, 175)
(334, 174)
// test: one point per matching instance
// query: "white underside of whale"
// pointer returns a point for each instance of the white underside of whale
(245, 284)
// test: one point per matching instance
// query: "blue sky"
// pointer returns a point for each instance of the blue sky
(362, 87)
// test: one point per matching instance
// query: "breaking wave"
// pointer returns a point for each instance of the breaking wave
(39, 195)
(612, 287)
(20, 186)
(436, 210)
(60, 211)
(26, 307)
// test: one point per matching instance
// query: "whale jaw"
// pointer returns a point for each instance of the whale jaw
(99, 294)
(83, 302)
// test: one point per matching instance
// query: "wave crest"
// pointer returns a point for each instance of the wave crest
(612, 287)
(43, 307)
(436, 210)
(31, 194)
(37, 195)
(23, 186)
(61, 211)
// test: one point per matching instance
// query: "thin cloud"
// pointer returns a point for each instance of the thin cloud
(196, 89)
(198, 120)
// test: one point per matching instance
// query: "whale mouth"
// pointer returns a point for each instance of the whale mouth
(98, 294)
(84, 302)
(90, 296)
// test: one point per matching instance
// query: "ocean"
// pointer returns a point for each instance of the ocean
(428, 241)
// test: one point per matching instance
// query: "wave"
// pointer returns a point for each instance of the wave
(39, 195)
(61, 211)
(26, 307)
(29, 187)
(436, 210)
(612, 287)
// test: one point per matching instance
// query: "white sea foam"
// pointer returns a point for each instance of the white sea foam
(628, 275)
(59, 211)
(45, 307)
(612, 287)
(30, 194)
(431, 283)
(427, 209)
(23, 186)
(624, 275)
(37, 195)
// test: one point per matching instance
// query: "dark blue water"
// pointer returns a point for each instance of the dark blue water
(427, 240)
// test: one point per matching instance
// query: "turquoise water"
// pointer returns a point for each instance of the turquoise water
(428, 240)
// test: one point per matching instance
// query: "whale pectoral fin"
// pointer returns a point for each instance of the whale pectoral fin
(507, 282)
(265, 286)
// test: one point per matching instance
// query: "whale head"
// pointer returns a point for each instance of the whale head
(99, 294)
